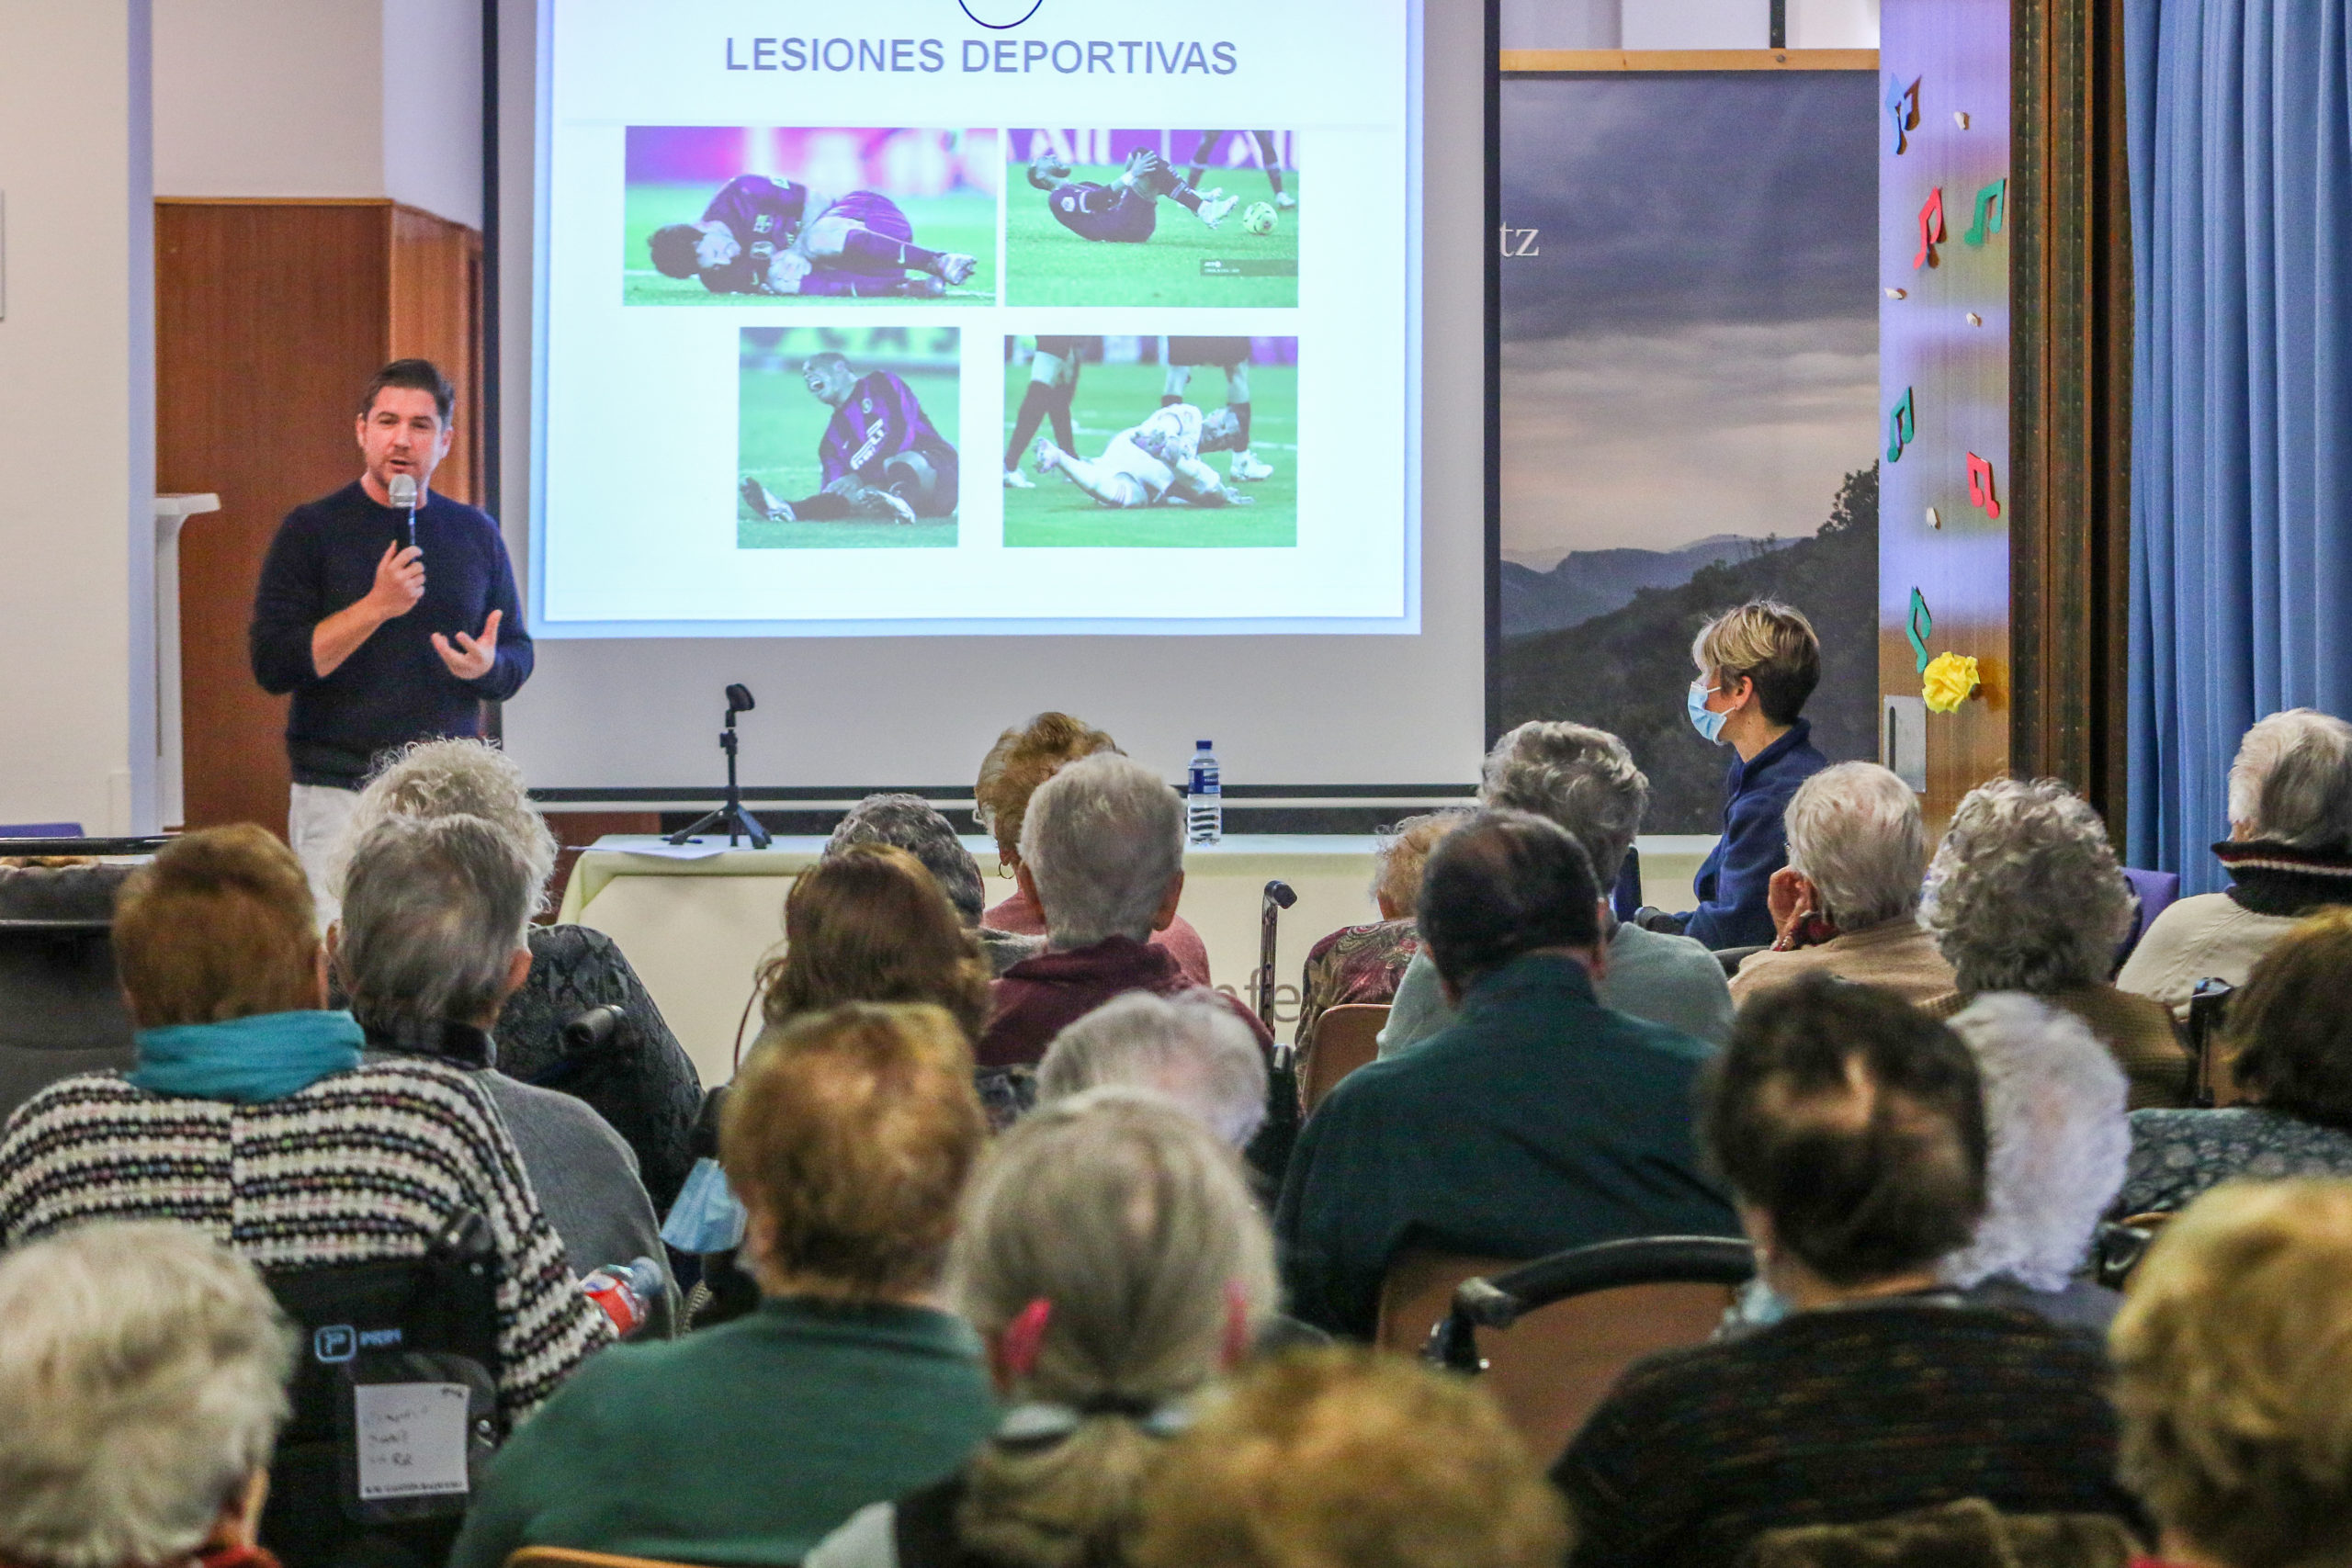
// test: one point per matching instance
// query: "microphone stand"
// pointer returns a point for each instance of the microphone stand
(730, 814)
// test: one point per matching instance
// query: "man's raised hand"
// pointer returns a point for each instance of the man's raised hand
(472, 658)
(400, 580)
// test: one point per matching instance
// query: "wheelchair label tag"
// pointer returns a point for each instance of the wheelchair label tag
(412, 1440)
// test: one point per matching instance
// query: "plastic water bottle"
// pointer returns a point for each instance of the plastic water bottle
(626, 1292)
(1204, 798)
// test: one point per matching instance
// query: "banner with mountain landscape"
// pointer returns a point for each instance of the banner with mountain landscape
(1690, 391)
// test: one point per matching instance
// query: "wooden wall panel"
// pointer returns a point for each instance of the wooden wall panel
(269, 317)
(436, 315)
(1954, 370)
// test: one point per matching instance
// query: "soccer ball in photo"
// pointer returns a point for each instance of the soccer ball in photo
(1259, 219)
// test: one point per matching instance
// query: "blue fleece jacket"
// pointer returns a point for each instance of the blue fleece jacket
(1734, 885)
(394, 689)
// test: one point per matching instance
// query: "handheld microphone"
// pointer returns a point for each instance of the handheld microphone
(401, 488)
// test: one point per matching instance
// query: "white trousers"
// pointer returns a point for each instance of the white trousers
(316, 815)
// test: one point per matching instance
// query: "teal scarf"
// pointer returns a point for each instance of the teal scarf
(266, 1056)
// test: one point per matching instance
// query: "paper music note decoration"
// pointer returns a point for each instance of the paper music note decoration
(1918, 627)
(1992, 200)
(1980, 487)
(1931, 228)
(1899, 427)
(1903, 104)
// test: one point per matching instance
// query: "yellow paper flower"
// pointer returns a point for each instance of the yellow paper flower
(1947, 681)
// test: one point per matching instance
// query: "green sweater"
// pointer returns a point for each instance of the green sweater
(741, 1444)
(1537, 1121)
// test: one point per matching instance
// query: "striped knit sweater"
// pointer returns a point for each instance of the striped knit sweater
(361, 1166)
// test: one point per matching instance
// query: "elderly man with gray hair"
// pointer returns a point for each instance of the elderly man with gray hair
(431, 945)
(1846, 902)
(1189, 1047)
(1584, 780)
(1102, 854)
(2289, 855)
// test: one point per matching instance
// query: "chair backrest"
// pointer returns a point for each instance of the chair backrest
(61, 1004)
(1551, 1369)
(1346, 1037)
(573, 1557)
(2156, 891)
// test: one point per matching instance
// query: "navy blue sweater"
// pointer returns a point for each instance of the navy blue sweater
(394, 688)
(1734, 885)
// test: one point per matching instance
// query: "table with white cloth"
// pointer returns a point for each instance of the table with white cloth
(695, 920)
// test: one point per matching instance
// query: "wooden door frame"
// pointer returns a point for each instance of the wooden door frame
(2070, 399)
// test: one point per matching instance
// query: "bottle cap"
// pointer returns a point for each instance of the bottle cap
(1200, 745)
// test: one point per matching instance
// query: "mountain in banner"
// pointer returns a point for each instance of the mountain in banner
(1585, 583)
(1625, 669)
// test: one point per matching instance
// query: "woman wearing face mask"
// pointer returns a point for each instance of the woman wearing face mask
(1756, 666)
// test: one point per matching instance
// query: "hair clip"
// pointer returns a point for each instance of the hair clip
(1025, 1335)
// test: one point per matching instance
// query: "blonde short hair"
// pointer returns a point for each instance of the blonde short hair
(1022, 760)
(852, 1133)
(1770, 643)
(219, 925)
(1350, 1458)
(2231, 1360)
(143, 1373)
(1404, 852)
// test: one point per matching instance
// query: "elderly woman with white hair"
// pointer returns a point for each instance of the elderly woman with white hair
(2289, 855)
(1189, 1047)
(641, 1079)
(1584, 780)
(1102, 854)
(142, 1385)
(2057, 1142)
(1113, 1261)
(1846, 902)
(1364, 964)
(2024, 895)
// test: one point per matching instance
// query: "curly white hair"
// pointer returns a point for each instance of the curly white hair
(452, 778)
(2057, 1140)
(2024, 894)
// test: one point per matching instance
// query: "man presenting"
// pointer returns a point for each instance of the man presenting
(377, 649)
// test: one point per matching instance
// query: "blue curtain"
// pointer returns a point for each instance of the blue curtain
(2241, 159)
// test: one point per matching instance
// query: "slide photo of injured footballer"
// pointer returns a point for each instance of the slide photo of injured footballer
(1182, 217)
(847, 439)
(1151, 441)
(729, 216)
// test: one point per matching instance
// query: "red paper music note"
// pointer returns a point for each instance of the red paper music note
(1931, 228)
(1980, 487)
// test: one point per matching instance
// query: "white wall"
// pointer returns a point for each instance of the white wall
(321, 99)
(432, 87)
(1686, 24)
(77, 418)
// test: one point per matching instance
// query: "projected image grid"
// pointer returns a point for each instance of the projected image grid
(1129, 318)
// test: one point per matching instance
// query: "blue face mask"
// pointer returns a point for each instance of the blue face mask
(1709, 724)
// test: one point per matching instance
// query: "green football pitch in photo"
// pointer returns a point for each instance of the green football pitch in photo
(1046, 264)
(781, 425)
(965, 222)
(1112, 398)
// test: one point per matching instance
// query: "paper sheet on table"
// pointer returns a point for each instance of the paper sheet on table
(412, 1440)
(694, 849)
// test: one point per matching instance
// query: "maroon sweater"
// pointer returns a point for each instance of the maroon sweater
(1038, 997)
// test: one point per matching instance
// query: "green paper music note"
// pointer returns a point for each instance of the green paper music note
(1900, 427)
(1994, 199)
(1918, 627)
